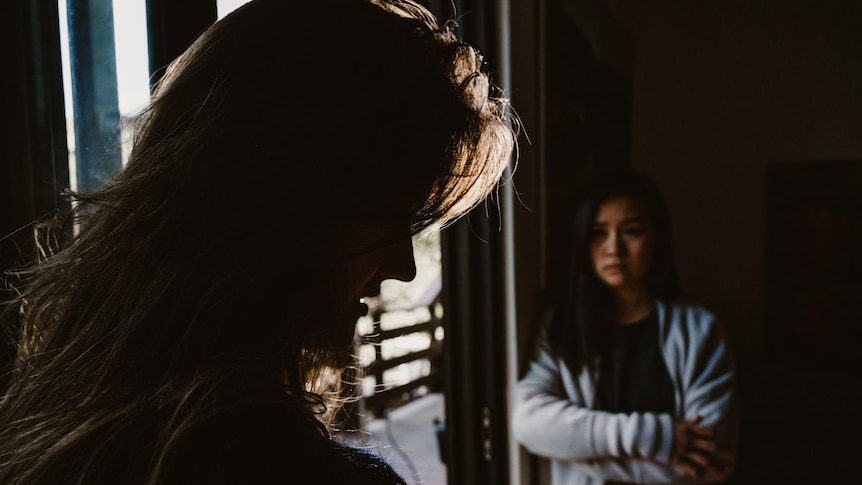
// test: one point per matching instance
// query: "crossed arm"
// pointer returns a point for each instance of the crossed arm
(556, 423)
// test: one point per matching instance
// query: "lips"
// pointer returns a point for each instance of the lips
(360, 308)
(363, 307)
(360, 304)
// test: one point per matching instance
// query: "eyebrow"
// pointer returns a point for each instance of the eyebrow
(628, 220)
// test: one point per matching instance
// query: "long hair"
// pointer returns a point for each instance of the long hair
(576, 325)
(194, 280)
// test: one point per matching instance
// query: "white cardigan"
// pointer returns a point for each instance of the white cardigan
(553, 413)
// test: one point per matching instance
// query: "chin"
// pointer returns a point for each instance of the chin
(346, 342)
(338, 336)
(614, 282)
(340, 341)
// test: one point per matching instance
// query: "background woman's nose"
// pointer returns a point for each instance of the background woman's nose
(619, 245)
(612, 244)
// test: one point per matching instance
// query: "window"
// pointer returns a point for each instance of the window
(106, 83)
(227, 6)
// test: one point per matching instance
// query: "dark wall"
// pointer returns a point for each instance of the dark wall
(722, 91)
(33, 153)
(588, 107)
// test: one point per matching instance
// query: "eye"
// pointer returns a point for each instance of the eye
(598, 233)
(634, 231)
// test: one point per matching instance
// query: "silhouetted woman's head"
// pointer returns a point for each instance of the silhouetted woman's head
(285, 130)
(289, 126)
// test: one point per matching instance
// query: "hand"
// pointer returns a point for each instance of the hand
(696, 450)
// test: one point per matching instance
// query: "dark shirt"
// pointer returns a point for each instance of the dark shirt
(262, 448)
(247, 445)
(633, 375)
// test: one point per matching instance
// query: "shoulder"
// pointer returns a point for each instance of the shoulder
(687, 313)
(690, 323)
(264, 445)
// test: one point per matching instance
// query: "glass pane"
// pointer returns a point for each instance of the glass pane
(133, 72)
(106, 82)
(225, 7)
(67, 92)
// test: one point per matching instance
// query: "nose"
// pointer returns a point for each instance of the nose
(611, 244)
(399, 263)
(620, 246)
(614, 245)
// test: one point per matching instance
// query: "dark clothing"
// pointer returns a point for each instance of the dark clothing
(633, 376)
(263, 449)
(248, 445)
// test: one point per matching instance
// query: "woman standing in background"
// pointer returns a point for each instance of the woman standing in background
(630, 382)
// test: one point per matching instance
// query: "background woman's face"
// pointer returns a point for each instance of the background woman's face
(622, 243)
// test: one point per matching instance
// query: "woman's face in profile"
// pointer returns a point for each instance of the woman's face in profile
(622, 243)
(375, 253)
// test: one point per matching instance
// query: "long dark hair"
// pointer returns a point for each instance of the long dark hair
(194, 280)
(575, 328)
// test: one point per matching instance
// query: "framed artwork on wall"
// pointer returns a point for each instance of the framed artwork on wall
(814, 265)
